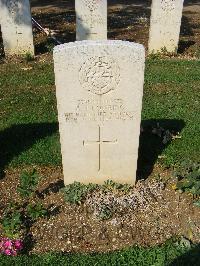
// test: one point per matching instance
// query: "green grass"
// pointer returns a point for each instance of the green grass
(168, 254)
(28, 126)
(172, 92)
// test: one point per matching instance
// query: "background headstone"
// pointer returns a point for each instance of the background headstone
(99, 88)
(16, 27)
(91, 19)
(165, 25)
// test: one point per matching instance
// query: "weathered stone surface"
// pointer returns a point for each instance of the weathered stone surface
(16, 27)
(91, 19)
(165, 25)
(99, 88)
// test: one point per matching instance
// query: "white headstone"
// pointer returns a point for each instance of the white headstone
(91, 19)
(99, 88)
(165, 25)
(16, 27)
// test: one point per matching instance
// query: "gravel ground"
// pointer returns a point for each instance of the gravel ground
(148, 214)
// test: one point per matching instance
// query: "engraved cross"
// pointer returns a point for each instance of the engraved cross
(99, 142)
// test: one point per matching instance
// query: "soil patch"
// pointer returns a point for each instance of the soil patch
(149, 214)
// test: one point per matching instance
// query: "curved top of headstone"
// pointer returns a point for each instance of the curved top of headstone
(134, 45)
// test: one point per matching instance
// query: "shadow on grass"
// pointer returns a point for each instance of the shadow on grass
(151, 145)
(190, 258)
(184, 45)
(19, 138)
(2, 54)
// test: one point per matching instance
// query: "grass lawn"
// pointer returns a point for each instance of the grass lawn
(171, 254)
(29, 130)
(168, 254)
(29, 136)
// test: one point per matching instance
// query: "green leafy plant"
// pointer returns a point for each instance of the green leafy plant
(110, 185)
(15, 215)
(197, 53)
(49, 45)
(11, 221)
(189, 179)
(197, 203)
(154, 56)
(34, 211)
(29, 57)
(162, 133)
(165, 52)
(105, 213)
(20, 215)
(28, 183)
(76, 192)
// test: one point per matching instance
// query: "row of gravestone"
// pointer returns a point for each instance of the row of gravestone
(91, 24)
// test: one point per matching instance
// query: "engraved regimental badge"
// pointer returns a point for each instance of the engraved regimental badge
(91, 4)
(12, 7)
(168, 5)
(99, 75)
